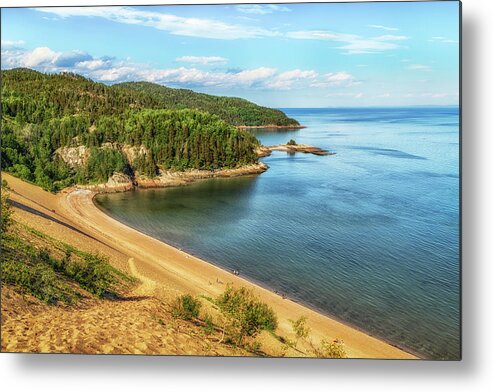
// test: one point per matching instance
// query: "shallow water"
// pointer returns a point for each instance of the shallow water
(369, 235)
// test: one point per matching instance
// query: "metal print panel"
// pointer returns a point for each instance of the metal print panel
(275, 180)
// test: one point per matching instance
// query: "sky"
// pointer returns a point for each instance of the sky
(277, 55)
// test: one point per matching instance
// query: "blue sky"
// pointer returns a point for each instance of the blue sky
(284, 55)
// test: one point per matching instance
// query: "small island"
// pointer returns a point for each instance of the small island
(292, 147)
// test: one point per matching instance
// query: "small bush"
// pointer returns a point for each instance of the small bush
(246, 315)
(6, 211)
(300, 328)
(209, 324)
(93, 273)
(186, 307)
(291, 142)
(333, 349)
(43, 284)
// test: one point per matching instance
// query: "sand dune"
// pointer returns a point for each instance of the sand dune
(163, 271)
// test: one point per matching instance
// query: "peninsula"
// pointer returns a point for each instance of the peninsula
(63, 129)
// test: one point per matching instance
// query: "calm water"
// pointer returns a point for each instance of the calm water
(369, 235)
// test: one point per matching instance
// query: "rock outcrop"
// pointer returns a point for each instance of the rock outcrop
(74, 156)
(263, 151)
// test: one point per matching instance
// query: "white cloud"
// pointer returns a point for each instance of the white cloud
(92, 65)
(336, 79)
(383, 27)
(390, 37)
(420, 67)
(321, 35)
(203, 60)
(6, 43)
(258, 9)
(39, 56)
(350, 95)
(45, 58)
(443, 40)
(432, 95)
(352, 44)
(109, 70)
(12, 58)
(435, 95)
(177, 25)
(187, 77)
(286, 80)
(339, 77)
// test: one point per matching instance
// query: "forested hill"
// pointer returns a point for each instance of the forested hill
(235, 111)
(62, 129)
(69, 93)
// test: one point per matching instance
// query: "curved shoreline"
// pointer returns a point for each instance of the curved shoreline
(263, 286)
(199, 276)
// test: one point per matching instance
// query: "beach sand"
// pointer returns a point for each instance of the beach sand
(164, 271)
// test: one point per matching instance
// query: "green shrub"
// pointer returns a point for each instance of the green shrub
(331, 349)
(43, 282)
(300, 328)
(93, 273)
(6, 210)
(246, 315)
(209, 324)
(39, 280)
(186, 307)
(291, 142)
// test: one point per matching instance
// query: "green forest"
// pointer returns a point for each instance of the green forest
(235, 111)
(172, 129)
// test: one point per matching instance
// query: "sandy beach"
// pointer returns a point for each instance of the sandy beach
(163, 270)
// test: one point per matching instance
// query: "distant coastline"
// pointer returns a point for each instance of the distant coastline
(271, 126)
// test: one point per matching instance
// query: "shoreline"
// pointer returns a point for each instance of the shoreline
(171, 271)
(249, 282)
(261, 285)
(123, 183)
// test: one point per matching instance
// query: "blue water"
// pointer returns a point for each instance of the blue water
(369, 235)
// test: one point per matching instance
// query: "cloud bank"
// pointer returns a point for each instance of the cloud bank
(215, 29)
(110, 70)
(177, 25)
(352, 43)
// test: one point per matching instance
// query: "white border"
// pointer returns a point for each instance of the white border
(119, 373)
